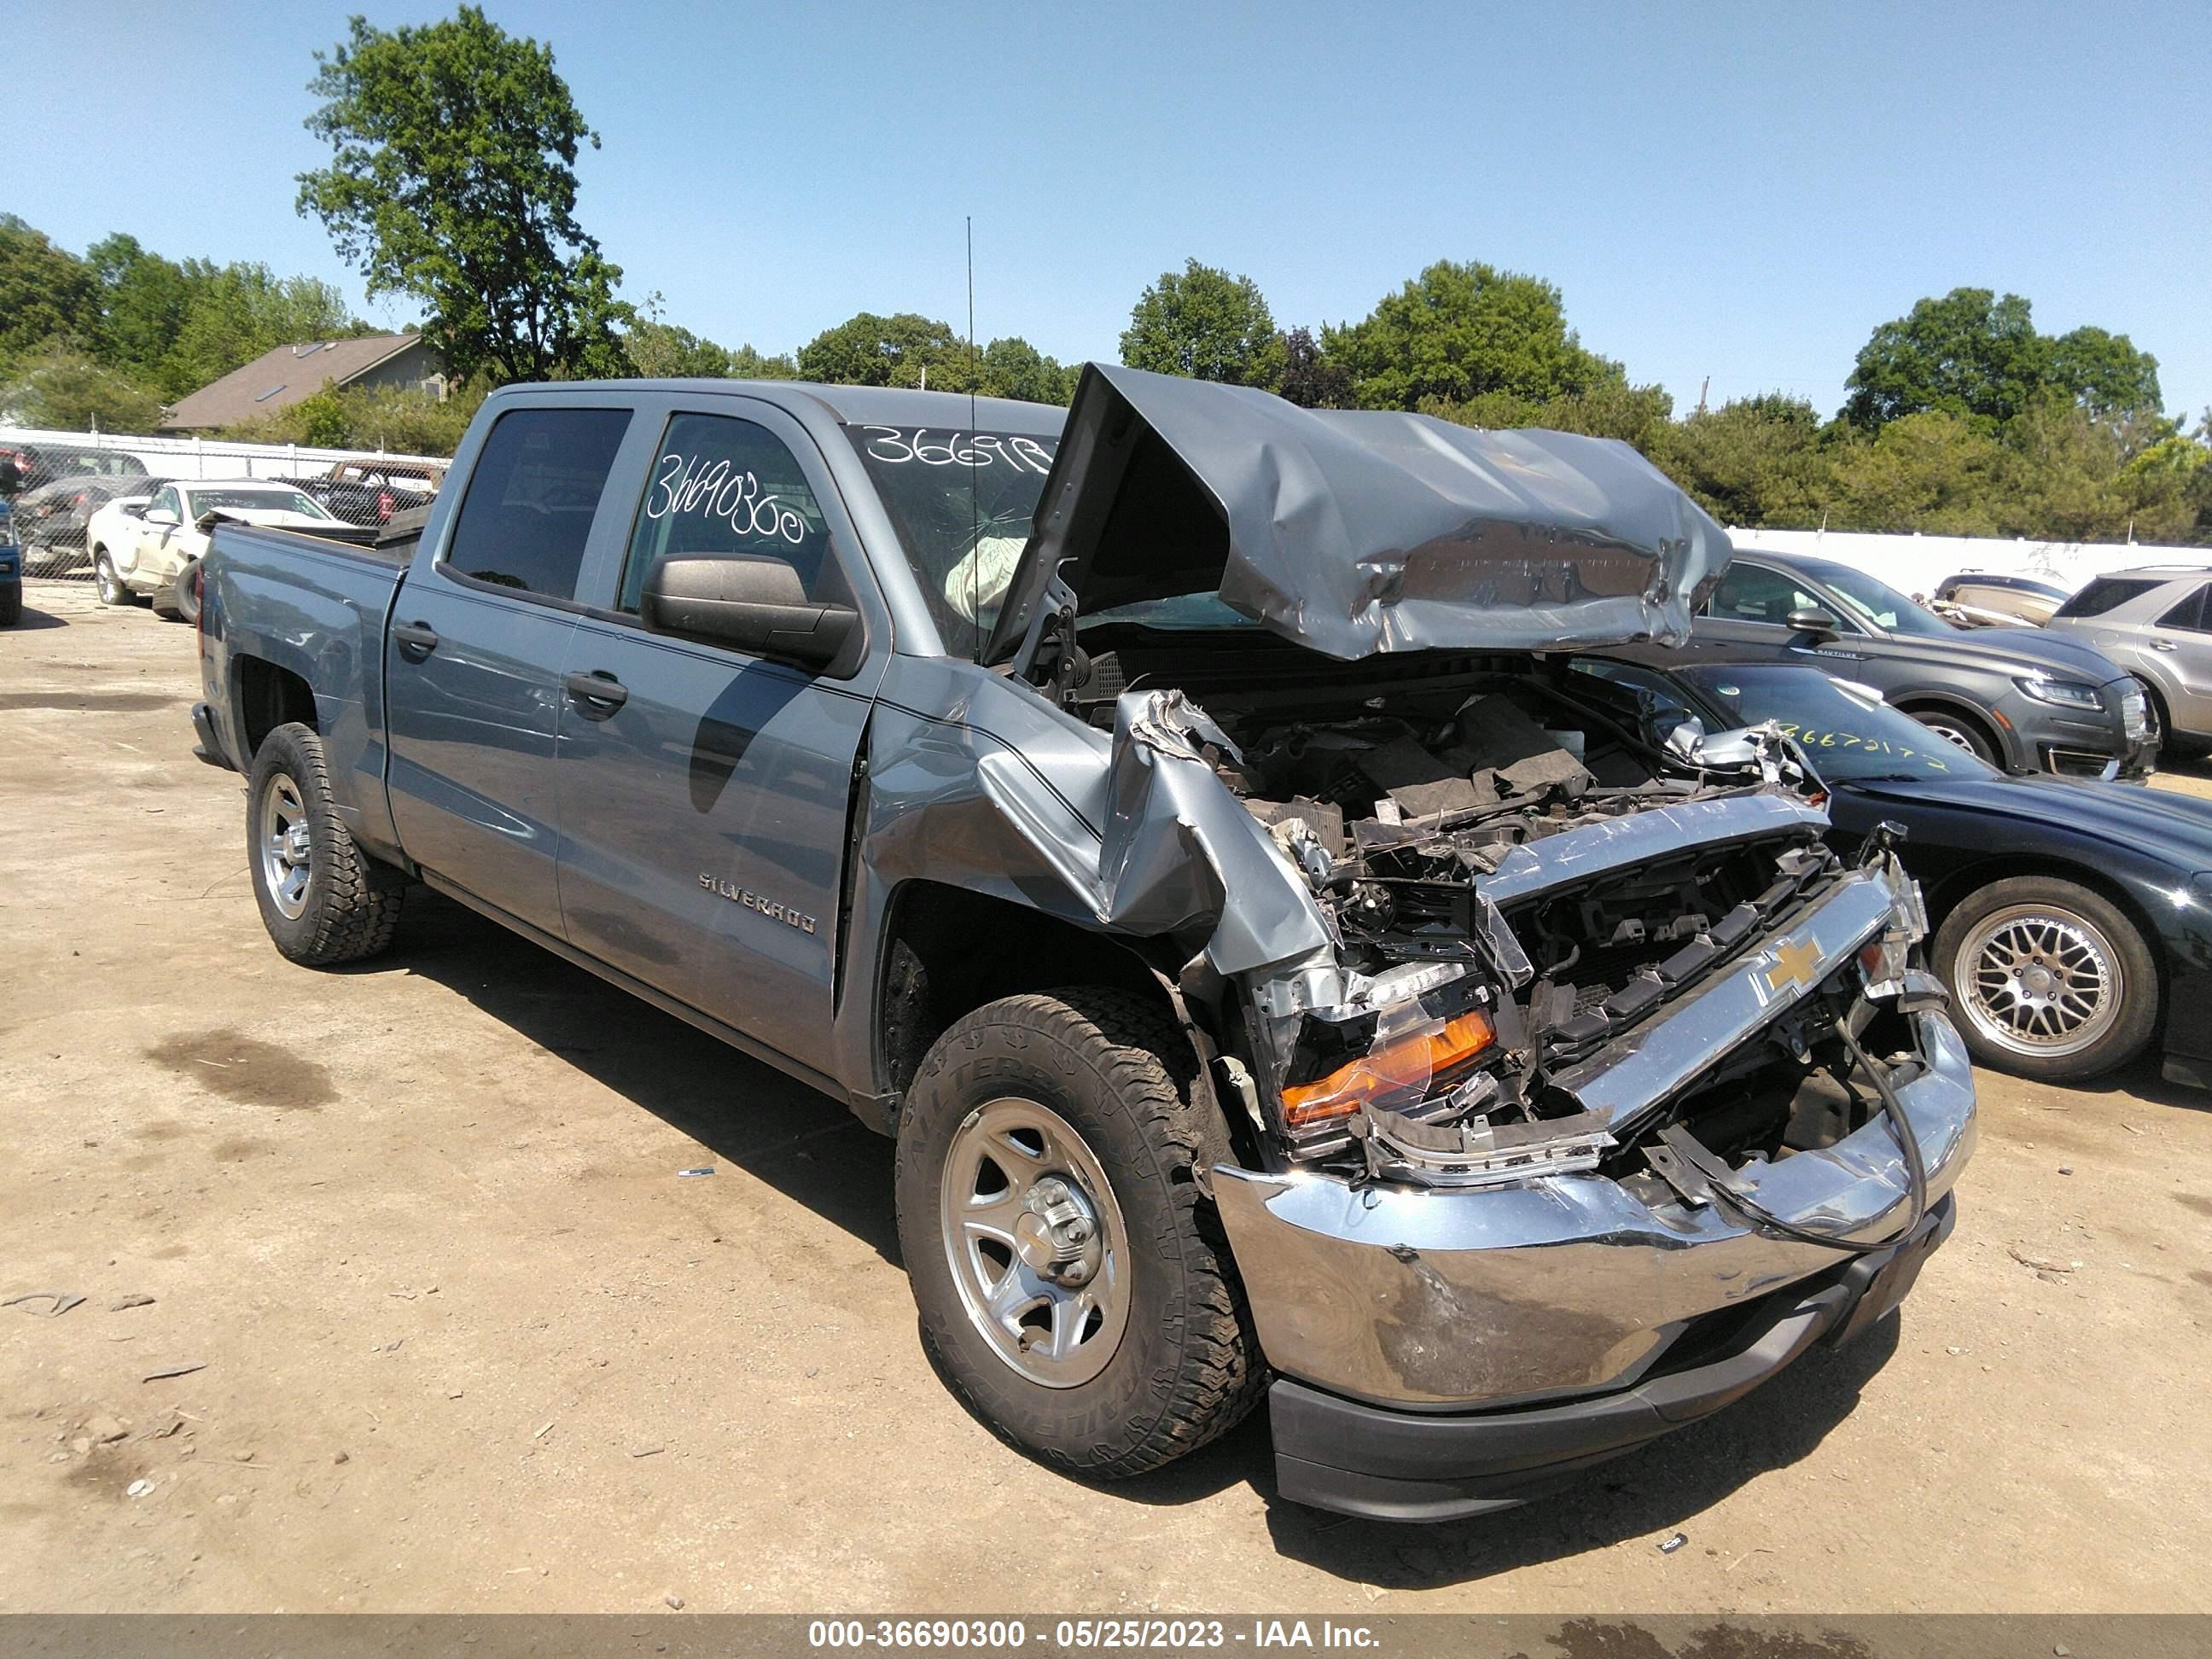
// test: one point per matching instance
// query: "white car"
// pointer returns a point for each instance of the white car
(140, 546)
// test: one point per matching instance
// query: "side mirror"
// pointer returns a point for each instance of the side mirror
(134, 509)
(1810, 619)
(752, 605)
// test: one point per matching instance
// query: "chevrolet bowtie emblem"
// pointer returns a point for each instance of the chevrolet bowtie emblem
(1796, 962)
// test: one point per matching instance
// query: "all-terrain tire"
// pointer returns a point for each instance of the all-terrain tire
(351, 903)
(11, 605)
(2070, 930)
(1119, 1071)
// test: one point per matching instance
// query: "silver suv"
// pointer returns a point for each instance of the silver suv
(2156, 622)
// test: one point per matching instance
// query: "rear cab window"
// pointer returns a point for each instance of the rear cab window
(527, 515)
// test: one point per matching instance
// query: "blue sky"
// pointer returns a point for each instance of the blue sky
(1741, 191)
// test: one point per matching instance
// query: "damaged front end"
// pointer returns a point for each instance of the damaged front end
(1609, 1067)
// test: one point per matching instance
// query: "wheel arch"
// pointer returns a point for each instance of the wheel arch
(265, 696)
(2002, 737)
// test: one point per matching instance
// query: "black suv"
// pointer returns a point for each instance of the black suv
(2018, 697)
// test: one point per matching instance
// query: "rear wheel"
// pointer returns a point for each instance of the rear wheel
(2050, 980)
(11, 604)
(1075, 1288)
(1970, 734)
(323, 900)
(186, 590)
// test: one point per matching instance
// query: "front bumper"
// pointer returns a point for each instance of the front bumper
(1335, 1454)
(2076, 743)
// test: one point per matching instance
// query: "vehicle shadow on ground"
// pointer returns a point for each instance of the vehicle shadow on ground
(804, 1145)
(34, 618)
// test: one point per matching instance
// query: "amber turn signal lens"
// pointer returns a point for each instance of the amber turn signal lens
(1403, 1067)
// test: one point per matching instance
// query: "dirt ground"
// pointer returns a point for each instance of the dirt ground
(468, 1341)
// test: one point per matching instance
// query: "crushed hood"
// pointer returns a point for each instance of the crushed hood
(1355, 531)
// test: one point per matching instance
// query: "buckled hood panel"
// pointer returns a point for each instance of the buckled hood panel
(1355, 531)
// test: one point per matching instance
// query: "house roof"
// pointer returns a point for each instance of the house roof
(284, 376)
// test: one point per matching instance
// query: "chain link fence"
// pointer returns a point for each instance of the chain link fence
(81, 496)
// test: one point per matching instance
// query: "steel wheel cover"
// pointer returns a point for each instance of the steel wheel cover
(2039, 980)
(284, 846)
(1036, 1242)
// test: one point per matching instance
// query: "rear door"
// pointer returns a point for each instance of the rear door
(2182, 636)
(473, 658)
(704, 791)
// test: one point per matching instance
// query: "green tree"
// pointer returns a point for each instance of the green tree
(1635, 415)
(46, 293)
(69, 389)
(1457, 332)
(871, 350)
(659, 350)
(393, 418)
(1974, 353)
(144, 300)
(1012, 368)
(1312, 378)
(452, 179)
(1758, 460)
(1934, 470)
(747, 364)
(1207, 324)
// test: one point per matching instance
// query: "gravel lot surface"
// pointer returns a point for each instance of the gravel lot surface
(465, 1339)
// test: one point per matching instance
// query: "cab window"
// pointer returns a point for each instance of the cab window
(168, 502)
(723, 487)
(527, 515)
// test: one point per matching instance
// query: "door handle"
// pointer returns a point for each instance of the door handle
(416, 639)
(599, 691)
(2162, 645)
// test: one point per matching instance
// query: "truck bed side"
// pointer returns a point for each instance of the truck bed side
(294, 629)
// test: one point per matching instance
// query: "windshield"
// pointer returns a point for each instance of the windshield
(257, 500)
(962, 503)
(1847, 738)
(1875, 602)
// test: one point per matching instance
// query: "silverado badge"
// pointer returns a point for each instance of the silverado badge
(752, 901)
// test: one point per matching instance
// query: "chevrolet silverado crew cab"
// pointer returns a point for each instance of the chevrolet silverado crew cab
(1163, 819)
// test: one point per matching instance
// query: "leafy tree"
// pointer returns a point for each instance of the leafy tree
(1457, 332)
(747, 364)
(1935, 470)
(1635, 415)
(46, 293)
(1312, 378)
(144, 302)
(393, 418)
(1012, 368)
(1753, 461)
(452, 179)
(1209, 325)
(659, 350)
(871, 350)
(68, 390)
(1974, 353)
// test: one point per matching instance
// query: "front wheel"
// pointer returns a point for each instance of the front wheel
(1074, 1287)
(1958, 728)
(323, 900)
(2051, 981)
(105, 583)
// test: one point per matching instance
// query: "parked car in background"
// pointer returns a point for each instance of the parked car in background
(41, 464)
(11, 557)
(56, 518)
(1980, 599)
(169, 534)
(1492, 1089)
(2155, 621)
(2021, 699)
(2073, 918)
(369, 492)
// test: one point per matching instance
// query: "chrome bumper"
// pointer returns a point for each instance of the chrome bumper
(1560, 1285)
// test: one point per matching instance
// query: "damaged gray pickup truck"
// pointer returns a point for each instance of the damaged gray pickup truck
(1280, 975)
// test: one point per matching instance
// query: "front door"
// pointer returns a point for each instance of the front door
(473, 660)
(704, 793)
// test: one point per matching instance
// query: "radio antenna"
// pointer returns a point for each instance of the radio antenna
(975, 497)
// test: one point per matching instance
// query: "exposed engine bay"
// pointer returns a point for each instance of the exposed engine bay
(1523, 871)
